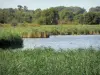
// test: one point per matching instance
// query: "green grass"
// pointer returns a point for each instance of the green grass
(47, 61)
(45, 30)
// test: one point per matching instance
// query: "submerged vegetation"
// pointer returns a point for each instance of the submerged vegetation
(47, 61)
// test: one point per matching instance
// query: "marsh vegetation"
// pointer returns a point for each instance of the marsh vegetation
(45, 31)
(47, 61)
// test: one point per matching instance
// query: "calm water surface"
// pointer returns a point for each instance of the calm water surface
(64, 41)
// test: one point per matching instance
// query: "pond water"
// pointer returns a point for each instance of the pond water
(64, 42)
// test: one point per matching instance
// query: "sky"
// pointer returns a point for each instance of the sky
(43, 4)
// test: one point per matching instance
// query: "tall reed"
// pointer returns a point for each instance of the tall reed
(45, 31)
(47, 61)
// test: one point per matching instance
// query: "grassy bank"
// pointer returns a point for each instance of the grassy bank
(10, 40)
(44, 31)
(46, 61)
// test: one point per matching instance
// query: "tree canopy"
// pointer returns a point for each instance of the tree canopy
(50, 16)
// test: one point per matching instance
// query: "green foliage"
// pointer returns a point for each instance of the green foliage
(37, 13)
(66, 16)
(42, 21)
(45, 31)
(95, 9)
(50, 16)
(14, 22)
(20, 7)
(10, 40)
(3, 16)
(75, 10)
(47, 61)
(92, 18)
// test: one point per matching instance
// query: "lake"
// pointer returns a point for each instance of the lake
(64, 42)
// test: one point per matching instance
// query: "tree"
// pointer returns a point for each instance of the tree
(49, 16)
(97, 18)
(92, 18)
(25, 8)
(29, 19)
(79, 19)
(66, 16)
(75, 10)
(20, 7)
(59, 8)
(4, 16)
(37, 14)
(95, 9)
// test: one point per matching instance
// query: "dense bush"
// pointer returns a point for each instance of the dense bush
(10, 41)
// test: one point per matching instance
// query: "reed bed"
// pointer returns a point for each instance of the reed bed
(44, 31)
(47, 61)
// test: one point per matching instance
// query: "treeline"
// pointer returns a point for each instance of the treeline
(50, 16)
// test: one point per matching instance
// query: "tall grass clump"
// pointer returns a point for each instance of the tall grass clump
(10, 40)
(47, 61)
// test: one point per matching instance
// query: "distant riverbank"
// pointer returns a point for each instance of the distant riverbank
(44, 31)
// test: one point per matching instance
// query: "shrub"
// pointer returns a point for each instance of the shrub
(10, 41)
